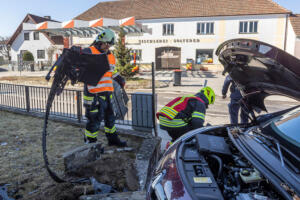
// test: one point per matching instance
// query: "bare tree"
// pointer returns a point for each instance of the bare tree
(4, 48)
(50, 52)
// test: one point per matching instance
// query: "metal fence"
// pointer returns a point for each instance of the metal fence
(26, 65)
(69, 104)
(3, 62)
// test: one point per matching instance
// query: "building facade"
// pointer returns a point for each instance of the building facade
(294, 35)
(176, 41)
(39, 44)
(189, 31)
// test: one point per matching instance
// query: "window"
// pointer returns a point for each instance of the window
(26, 36)
(205, 28)
(248, 27)
(204, 56)
(168, 29)
(137, 53)
(36, 36)
(40, 54)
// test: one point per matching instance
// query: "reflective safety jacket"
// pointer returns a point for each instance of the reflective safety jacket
(105, 84)
(182, 111)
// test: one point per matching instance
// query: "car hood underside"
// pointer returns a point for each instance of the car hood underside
(260, 70)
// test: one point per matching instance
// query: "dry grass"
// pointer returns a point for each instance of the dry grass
(33, 81)
(21, 161)
(22, 164)
(136, 83)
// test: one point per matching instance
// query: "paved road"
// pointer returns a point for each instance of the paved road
(218, 112)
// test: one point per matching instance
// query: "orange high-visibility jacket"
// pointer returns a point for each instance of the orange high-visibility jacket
(105, 84)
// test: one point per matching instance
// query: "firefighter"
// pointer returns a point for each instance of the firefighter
(234, 105)
(97, 99)
(185, 113)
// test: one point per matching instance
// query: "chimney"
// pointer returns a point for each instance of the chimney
(47, 17)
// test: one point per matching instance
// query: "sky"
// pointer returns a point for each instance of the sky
(292, 5)
(12, 12)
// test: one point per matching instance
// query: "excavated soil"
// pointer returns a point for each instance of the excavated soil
(22, 165)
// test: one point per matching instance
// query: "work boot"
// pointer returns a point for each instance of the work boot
(113, 139)
(89, 140)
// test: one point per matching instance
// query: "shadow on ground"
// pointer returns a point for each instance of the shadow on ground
(3, 70)
(194, 74)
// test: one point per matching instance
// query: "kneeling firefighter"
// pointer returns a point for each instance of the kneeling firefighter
(97, 99)
(185, 113)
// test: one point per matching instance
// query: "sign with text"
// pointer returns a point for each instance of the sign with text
(163, 41)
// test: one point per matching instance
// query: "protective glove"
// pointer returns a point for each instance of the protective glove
(120, 80)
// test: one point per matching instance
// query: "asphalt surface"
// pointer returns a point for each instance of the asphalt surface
(191, 83)
(217, 113)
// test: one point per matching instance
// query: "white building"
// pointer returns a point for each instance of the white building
(39, 44)
(293, 43)
(193, 29)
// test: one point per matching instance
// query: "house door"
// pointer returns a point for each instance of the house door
(167, 58)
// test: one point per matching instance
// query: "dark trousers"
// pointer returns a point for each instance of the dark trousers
(99, 110)
(234, 108)
(175, 133)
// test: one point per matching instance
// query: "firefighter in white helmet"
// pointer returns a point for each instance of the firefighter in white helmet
(97, 99)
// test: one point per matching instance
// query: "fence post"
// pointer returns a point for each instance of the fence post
(79, 105)
(154, 100)
(27, 98)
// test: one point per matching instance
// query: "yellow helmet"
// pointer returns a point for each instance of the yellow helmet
(209, 94)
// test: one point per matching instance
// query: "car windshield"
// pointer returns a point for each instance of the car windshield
(287, 127)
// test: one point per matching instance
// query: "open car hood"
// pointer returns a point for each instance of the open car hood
(260, 70)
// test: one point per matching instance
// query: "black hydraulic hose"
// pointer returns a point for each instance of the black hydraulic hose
(56, 88)
(64, 72)
(70, 66)
(220, 162)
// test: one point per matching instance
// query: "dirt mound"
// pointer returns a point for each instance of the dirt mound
(117, 170)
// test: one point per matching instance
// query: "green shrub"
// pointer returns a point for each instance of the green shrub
(27, 56)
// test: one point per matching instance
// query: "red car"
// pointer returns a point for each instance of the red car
(259, 160)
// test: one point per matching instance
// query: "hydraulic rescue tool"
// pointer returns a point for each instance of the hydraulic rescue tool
(75, 66)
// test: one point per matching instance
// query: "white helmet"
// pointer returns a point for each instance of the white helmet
(106, 36)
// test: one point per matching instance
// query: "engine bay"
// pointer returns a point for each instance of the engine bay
(212, 168)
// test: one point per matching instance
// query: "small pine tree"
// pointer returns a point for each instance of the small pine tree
(122, 55)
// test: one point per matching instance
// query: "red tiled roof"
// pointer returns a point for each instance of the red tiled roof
(295, 20)
(36, 19)
(154, 9)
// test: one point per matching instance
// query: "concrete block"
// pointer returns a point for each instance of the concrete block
(80, 156)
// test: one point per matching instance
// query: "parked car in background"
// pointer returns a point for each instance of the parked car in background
(259, 160)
